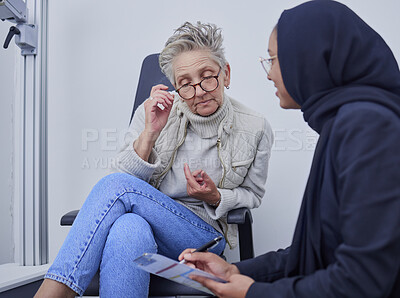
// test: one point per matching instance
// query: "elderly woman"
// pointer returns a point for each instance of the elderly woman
(194, 157)
(325, 60)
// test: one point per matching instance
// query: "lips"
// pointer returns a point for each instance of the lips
(203, 102)
(276, 93)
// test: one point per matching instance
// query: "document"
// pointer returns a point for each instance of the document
(173, 270)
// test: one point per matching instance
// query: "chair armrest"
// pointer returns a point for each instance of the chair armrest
(239, 216)
(68, 218)
(242, 217)
(235, 216)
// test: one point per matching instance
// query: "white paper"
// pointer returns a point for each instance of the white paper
(173, 270)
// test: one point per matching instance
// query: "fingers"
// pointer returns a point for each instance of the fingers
(198, 177)
(214, 286)
(158, 87)
(161, 89)
(159, 96)
(236, 287)
(196, 173)
(186, 251)
(200, 186)
(208, 283)
(161, 99)
(189, 177)
(206, 178)
(163, 94)
(186, 170)
(195, 180)
(204, 257)
(200, 181)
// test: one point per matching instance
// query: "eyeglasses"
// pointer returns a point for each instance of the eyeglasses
(267, 63)
(208, 84)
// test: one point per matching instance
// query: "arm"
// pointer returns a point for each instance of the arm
(267, 267)
(137, 156)
(155, 119)
(250, 193)
(367, 162)
(237, 284)
(127, 160)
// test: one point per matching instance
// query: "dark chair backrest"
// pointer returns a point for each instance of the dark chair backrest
(150, 75)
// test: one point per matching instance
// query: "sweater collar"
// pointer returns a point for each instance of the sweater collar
(205, 127)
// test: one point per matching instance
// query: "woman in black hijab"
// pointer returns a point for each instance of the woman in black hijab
(340, 72)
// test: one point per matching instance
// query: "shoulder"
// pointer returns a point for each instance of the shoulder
(247, 117)
(365, 118)
(365, 128)
(138, 118)
(242, 109)
(366, 113)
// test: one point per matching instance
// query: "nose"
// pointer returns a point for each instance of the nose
(269, 77)
(199, 91)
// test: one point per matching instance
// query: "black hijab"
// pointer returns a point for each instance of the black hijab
(329, 57)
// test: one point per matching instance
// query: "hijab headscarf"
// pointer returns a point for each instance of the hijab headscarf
(329, 57)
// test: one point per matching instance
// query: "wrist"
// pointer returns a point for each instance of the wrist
(216, 203)
(234, 270)
(143, 146)
(150, 136)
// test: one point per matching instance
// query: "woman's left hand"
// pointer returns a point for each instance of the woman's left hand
(236, 287)
(200, 186)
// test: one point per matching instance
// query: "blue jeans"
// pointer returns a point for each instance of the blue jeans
(122, 218)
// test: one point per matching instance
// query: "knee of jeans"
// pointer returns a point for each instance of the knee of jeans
(120, 182)
(132, 231)
(116, 180)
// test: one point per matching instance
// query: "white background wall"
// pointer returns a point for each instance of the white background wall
(7, 74)
(95, 52)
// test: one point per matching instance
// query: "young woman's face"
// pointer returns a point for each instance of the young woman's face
(275, 75)
(191, 68)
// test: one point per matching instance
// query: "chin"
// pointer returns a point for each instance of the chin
(207, 111)
(283, 105)
(205, 114)
(291, 105)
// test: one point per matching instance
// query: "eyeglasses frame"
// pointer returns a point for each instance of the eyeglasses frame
(268, 61)
(199, 84)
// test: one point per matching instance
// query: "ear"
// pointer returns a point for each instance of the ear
(227, 79)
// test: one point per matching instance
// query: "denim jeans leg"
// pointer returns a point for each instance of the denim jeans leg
(80, 255)
(174, 227)
(129, 237)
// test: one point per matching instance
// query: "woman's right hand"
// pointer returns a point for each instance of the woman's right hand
(208, 262)
(156, 117)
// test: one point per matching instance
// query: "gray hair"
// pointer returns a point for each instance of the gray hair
(189, 37)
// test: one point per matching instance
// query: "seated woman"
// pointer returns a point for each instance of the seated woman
(157, 203)
(326, 60)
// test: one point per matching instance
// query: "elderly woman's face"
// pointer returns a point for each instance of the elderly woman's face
(193, 66)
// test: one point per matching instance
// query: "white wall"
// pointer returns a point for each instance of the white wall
(95, 52)
(7, 74)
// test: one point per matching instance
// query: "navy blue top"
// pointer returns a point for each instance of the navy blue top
(347, 238)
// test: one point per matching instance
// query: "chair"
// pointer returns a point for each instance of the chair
(151, 75)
